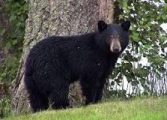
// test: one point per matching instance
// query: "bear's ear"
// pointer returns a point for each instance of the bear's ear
(101, 26)
(125, 25)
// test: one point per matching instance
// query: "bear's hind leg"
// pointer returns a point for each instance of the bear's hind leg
(59, 95)
(38, 102)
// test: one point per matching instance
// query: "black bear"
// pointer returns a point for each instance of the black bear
(57, 61)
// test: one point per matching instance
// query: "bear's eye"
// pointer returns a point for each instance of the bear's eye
(114, 36)
(108, 40)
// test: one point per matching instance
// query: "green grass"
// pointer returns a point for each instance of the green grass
(137, 109)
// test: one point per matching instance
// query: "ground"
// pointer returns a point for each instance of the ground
(136, 109)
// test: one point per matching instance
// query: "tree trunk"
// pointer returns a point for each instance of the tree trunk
(56, 17)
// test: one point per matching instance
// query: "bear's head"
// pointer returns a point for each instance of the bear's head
(113, 37)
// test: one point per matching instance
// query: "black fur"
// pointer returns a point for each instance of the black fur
(55, 62)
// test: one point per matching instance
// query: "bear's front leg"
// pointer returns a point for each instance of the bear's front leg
(89, 90)
(99, 92)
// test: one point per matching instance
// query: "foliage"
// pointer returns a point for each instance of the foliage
(148, 40)
(137, 109)
(11, 42)
(13, 36)
(5, 107)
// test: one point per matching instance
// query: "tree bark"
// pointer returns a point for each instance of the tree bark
(56, 17)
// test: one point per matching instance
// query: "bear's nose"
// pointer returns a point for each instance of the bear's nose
(116, 49)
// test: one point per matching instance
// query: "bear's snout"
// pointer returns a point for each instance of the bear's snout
(115, 45)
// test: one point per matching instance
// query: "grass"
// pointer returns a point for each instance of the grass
(137, 109)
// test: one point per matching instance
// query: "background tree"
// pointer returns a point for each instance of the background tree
(57, 17)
